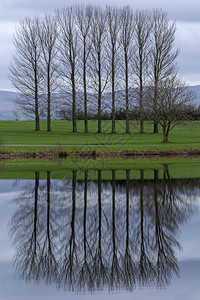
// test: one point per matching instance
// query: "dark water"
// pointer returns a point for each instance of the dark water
(137, 239)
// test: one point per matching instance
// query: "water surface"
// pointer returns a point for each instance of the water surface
(84, 239)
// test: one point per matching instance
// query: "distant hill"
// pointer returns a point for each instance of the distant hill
(196, 90)
(7, 106)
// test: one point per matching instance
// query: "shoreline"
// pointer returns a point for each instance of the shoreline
(54, 154)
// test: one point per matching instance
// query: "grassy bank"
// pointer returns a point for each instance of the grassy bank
(62, 169)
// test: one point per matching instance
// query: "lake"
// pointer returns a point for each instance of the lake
(88, 234)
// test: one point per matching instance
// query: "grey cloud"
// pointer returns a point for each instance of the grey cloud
(187, 11)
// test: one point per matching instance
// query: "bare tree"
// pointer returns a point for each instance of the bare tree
(113, 20)
(163, 55)
(141, 57)
(127, 30)
(84, 19)
(98, 61)
(25, 68)
(68, 48)
(172, 100)
(47, 29)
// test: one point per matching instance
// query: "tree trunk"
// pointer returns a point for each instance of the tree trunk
(37, 122)
(37, 175)
(155, 129)
(99, 208)
(74, 100)
(141, 92)
(85, 89)
(165, 135)
(48, 205)
(99, 93)
(127, 207)
(113, 90)
(127, 98)
(48, 102)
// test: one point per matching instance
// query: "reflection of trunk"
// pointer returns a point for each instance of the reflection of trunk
(127, 209)
(85, 214)
(48, 207)
(142, 268)
(100, 270)
(85, 278)
(142, 248)
(156, 174)
(113, 212)
(37, 174)
(166, 261)
(72, 238)
(48, 259)
(115, 271)
(145, 270)
(166, 174)
(68, 273)
(167, 190)
(100, 208)
(129, 267)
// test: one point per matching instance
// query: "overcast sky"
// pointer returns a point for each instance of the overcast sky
(185, 12)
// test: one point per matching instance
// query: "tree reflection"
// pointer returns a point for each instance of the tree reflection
(100, 263)
(48, 263)
(26, 231)
(96, 235)
(68, 248)
(145, 270)
(129, 268)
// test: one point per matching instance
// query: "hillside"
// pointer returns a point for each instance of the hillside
(7, 106)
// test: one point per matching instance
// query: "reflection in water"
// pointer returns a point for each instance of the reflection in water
(95, 235)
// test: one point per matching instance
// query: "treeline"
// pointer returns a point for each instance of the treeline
(87, 50)
(191, 113)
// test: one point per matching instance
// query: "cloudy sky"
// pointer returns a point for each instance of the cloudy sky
(185, 12)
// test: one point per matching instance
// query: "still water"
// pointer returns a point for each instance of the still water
(88, 239)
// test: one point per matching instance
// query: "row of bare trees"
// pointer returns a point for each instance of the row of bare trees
(88, 50)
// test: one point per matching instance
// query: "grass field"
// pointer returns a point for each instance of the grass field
(23, 133)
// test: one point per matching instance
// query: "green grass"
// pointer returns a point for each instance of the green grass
(22, 132)
(178, 168)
